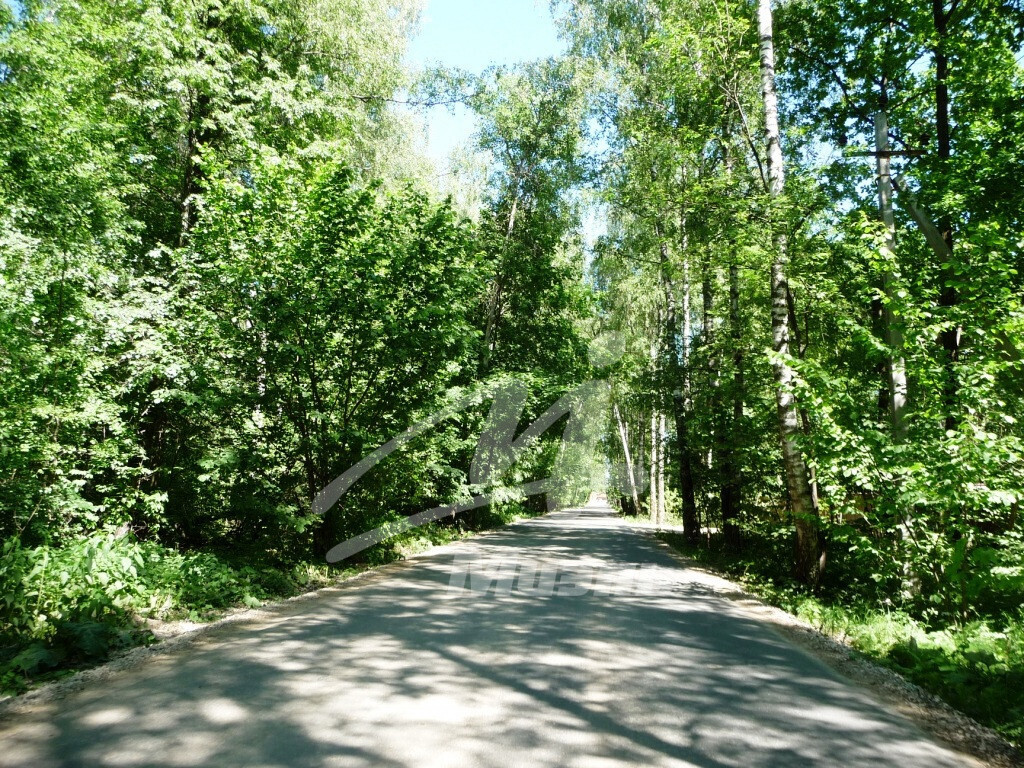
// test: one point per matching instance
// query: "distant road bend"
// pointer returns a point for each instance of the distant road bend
(571, 640)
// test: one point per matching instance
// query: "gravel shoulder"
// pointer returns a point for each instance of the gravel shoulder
(933, 715)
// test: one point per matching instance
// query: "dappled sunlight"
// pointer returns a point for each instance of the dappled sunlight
(405, 670)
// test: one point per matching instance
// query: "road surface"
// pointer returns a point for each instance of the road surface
(570, 640)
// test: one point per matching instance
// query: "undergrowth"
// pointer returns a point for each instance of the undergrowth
(70, 607)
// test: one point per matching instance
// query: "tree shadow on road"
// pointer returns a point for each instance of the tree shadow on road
(422, 666)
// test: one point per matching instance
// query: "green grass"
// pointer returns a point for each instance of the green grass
(977, 667)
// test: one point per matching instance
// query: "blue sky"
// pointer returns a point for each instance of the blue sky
(473, 35)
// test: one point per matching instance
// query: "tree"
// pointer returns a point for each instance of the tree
(350, 309)
(532, 123)
(810, 552)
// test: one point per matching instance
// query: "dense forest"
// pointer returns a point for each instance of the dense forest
(227, 274)
(226, 278)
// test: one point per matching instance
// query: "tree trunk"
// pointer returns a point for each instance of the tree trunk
(639, 467)
(718, 416)
(657, 449)
(801, 353)
(653, 505)
(624, 437)
(662, 499)
(684, 454)
(948, 298)
(731, 489)
(810, 550)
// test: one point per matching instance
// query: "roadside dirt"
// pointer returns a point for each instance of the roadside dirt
(934, 716)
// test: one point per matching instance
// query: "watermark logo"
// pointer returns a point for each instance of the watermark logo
(498, 448)
(472, 575)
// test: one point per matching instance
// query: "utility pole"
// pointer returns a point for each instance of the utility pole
(893, 334)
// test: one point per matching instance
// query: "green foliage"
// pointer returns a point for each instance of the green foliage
(920, 519)
(115, 117)
(536, 301)
(221, 286)
(75, 604)
(349, 309)
(207, 313)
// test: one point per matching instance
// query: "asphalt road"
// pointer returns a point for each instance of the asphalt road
(571, 640)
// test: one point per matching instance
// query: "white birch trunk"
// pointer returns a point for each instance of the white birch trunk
(810, 556)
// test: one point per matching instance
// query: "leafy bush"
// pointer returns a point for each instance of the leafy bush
(72, 604)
